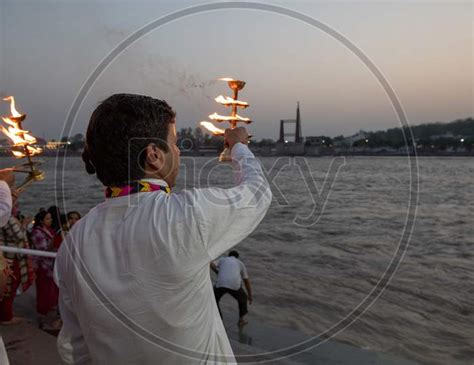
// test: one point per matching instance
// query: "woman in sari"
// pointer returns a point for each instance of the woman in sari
(58, 221)
(42, 237)
(5, 272)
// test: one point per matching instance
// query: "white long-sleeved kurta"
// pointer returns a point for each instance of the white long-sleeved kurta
(134, 275)
(5, 203)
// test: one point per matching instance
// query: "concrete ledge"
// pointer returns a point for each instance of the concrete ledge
(26, 344)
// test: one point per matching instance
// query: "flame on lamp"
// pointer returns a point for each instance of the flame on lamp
(212, 128)
(233, 118)
(13, 110)
(228, 101)
(226, 118)
(21, 138)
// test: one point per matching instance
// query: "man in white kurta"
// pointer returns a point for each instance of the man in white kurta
(134, 275)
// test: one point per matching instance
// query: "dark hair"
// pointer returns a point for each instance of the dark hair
(39, 217)
(234, 253)
(56, 215)
(119, 130)
(73, 212)
(62, 219)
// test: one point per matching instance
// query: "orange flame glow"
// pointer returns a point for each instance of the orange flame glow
(21, 138)
(212, 128)
(226, 118)
(12, 106)
(226, 79)
(227, 101)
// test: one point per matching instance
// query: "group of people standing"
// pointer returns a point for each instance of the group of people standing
(18, 271)
(49, 229)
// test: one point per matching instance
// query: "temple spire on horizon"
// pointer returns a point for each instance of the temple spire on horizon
(298, 138)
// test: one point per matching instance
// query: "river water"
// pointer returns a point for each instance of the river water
(310, 274)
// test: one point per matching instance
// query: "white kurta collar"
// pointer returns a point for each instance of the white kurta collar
(152, 180)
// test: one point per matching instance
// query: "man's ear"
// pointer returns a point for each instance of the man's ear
(155, 158)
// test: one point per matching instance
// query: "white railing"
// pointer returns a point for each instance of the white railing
(27, 251)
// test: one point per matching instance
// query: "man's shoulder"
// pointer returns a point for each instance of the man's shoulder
(242, 265)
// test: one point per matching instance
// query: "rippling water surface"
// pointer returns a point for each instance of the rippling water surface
(311, 277)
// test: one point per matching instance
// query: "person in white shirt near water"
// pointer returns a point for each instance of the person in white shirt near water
(133, 273)
(230, 274)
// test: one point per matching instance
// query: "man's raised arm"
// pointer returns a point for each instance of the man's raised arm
(226, 216)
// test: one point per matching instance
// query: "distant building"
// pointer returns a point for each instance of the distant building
(286, 147)
(53, 145)
(349, 141)
(447, 135)
(317, 141)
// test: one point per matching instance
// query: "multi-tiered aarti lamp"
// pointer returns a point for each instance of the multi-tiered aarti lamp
(23, 146)
(233, 118)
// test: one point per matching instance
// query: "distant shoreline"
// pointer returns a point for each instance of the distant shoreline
(419, 153)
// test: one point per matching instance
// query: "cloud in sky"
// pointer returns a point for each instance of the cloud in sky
(425, 50)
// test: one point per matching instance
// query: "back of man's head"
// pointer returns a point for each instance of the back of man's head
(119, 131)
(234, 254)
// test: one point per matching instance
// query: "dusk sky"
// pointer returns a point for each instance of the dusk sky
(424, 49)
